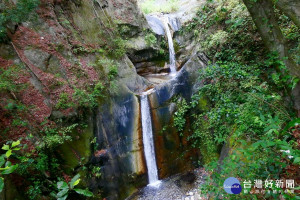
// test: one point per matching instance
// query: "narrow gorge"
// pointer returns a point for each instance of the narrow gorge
(148, 99)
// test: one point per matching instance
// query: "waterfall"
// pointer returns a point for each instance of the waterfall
(148, 141)
(171, 45)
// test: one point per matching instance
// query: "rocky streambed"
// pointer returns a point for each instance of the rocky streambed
(177, 187)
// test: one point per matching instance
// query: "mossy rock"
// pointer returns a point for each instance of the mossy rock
(203, 104)
(176, 46)
(160, 63)
(72, 152)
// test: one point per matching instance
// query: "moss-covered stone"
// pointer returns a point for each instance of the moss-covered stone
(84, 17)
(160, 63)
(203, 104)
(176, 46)
(77, 151)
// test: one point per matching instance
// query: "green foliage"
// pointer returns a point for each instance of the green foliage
(7, 77)
(96, 171)
(124, 30)
(241, 43)
(113, 72)
(238, 95)
(164, 49)
(54, 136)
(98, 90)
(281, 76)
(11, 14)
(51, 141)
(292, 35)
(64, 101)
(150, 39)
(6, 167)
(84, 98)
(260, 159)
(81, 49)
(179, 115)
(1, 184)
(35, 190)
(36, 167)
(248, 113)
(87, 99)
(167, 6)
(65, 188)
(225, 31)
(117, 47)
(217, 39)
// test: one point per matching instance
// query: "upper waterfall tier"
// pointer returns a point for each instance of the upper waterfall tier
(171, 45)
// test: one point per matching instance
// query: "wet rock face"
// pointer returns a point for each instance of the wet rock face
(126, 12)
(146, 68)
(118, 133)
(44, 61)
(145, 57)
(150, 58)
(173, 152)
(157, 26)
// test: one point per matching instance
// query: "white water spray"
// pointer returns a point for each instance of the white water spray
(171, 45)
(148, 141)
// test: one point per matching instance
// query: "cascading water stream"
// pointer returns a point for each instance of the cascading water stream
(148, 141)
(171, 45)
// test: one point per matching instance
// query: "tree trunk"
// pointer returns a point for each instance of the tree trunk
(290, 8)
(262, 13)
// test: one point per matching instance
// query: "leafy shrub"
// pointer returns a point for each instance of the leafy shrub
(117, 48)
(65, 188)
(248, 114)
(217, 39)
(64, 101)
(150, 39)
(111, 66)
(7, 76)
(113, 72)
(6, 167)
(15, 13)
(98, 90)
(54, 136)
(179, 115)
(83, 98)
(237, 95)
(124, 30)
(96, 171)
(225, 31)
(88, 99)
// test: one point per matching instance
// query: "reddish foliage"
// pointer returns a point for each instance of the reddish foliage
(292, 171)
(99, 153)
(91, 72)
(67, 177)
(43, 88)
(296, 134)
(5, 63)
(31, 96)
